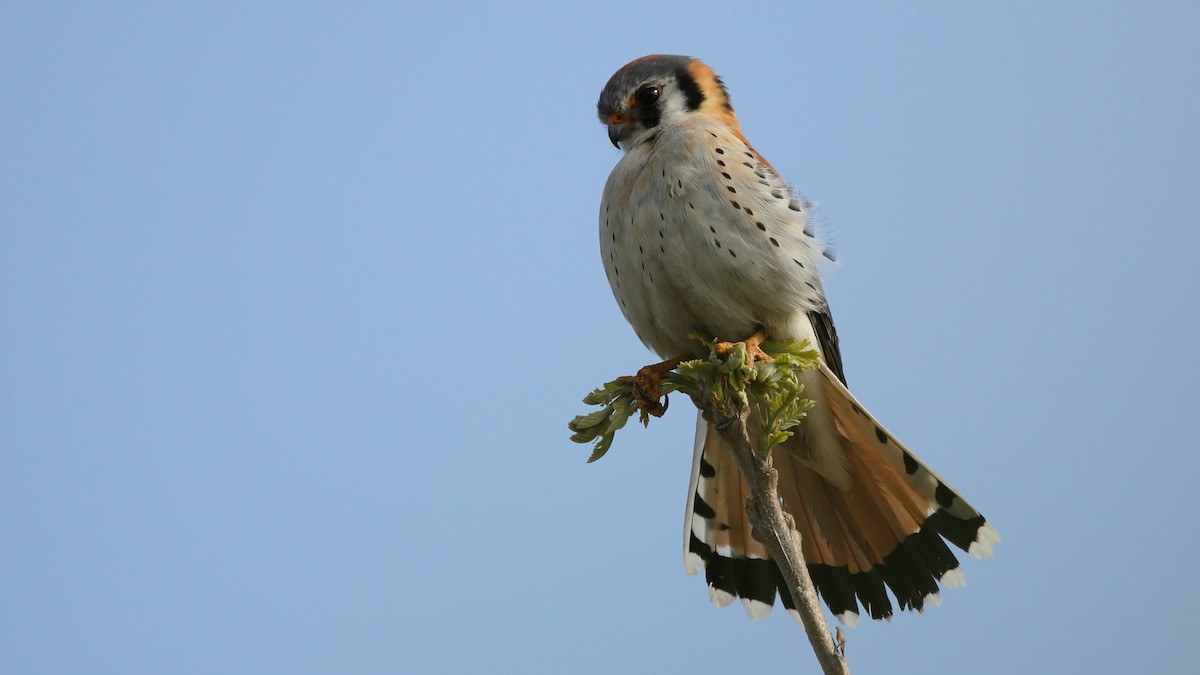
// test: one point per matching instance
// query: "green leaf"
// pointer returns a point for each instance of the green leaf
(772, 390)
(601, 448)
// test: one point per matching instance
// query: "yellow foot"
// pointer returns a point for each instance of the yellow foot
(647, 386)
(752, 347)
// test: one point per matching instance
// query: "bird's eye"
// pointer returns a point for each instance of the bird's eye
(647, 96)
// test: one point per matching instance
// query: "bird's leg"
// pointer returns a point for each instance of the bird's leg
(753, 350)
(647, 385)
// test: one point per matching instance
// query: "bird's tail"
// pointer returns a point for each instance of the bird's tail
(870, 514)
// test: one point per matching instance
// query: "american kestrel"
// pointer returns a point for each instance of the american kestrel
(699, 234)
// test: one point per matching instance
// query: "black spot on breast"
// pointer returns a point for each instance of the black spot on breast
(712, 229)
(749, 212)
(944, 495)
(795, 205)
(732, 253)
(720, 151)
(707, 470)
(736, 205)
(723, 526)
(727, 176)
(660, 234)
(777, 194)
(910, 464)
(798, 263)
(881, 435)
(761, 226)
(661, 216)
(721, 162)
(773, 241)
(731, 189)
(717, 242)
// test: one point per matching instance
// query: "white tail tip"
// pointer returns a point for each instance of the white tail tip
(985, 538)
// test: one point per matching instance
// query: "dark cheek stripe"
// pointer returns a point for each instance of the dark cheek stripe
(691, 90)
(649, 117)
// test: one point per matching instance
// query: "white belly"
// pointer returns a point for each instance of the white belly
(700, 241)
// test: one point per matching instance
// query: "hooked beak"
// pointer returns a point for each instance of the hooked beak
(619, 128)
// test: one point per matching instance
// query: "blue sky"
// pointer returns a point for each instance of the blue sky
(297, 300)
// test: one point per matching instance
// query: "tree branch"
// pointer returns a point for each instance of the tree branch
(773, 527)
(736, 393)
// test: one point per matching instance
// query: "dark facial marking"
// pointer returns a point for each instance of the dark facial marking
(691, 91)
(649, 116)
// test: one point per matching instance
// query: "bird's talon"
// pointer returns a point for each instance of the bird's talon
(753, 351)
(647, 387)
(756, 353)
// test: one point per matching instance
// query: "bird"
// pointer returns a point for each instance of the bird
(700, 235)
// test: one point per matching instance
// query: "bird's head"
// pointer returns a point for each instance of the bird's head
(655, 89)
